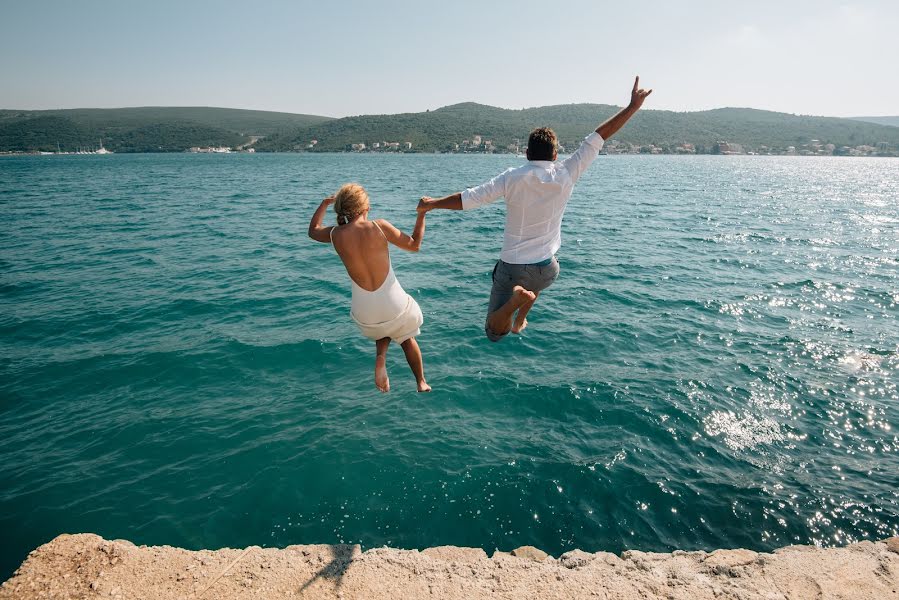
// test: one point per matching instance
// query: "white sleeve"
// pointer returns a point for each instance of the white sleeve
(485, 193)
(578, 162)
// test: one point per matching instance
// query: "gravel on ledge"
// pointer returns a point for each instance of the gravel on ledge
(87, 566)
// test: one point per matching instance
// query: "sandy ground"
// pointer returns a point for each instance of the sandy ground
(87, 566)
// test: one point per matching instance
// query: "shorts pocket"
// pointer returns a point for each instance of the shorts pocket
(504, 274)
(554, 268)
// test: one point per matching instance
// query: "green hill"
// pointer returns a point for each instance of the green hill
(173, 137)
(892, 121)
(441, 129)
(42, 133)
(172, 129)
(245, 122)
(48, 133)
(141, 129)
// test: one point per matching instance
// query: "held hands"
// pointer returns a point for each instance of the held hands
(638, 95)
(425, 204)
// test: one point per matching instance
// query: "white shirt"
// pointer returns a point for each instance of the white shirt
(536, 194)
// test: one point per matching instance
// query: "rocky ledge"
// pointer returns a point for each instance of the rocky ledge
(87, 566)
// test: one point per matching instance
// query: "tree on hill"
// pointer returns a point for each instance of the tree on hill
(43, 134)
(173, 137)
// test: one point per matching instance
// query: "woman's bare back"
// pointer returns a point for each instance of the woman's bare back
(362, 247)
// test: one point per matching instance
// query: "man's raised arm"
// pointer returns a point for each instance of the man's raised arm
(616, 122)
(584, 156)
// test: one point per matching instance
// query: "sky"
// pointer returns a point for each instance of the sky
(340, 58)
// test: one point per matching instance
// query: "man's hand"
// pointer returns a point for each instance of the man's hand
(451, 202)
(638, 95)
(617, 121)
(425, 204)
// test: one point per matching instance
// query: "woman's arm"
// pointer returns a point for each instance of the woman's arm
(401, 240)
(316, 231)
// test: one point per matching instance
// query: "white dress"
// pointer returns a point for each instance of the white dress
(387, 311)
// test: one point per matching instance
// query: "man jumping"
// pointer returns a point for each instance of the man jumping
(536, 194)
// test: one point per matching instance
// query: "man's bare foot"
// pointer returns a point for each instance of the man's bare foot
(423, 386)
(500, 320)
(523, 295)
(528, 297)
(521, 320)
(381, 379)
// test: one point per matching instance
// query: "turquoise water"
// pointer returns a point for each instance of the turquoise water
(717, 365)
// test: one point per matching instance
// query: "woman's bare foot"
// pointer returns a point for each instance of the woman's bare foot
(413, 357)
(519, 325)
(381, 379)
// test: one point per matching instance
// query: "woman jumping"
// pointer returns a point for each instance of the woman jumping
(380, 307)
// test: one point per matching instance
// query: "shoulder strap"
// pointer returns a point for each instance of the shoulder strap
(379, 229)
(331, 235)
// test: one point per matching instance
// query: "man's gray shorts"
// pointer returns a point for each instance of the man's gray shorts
(506, 276)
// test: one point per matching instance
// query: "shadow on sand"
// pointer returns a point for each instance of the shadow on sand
(341, 557)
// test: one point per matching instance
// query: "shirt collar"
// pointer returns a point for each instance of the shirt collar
(541, 163)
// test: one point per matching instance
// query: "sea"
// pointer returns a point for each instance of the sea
(716, 366)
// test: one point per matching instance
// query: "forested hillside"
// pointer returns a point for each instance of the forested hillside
(460, 127)
(444, 128)
(142, 129)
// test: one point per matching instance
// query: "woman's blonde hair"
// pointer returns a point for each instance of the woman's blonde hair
(350, 202)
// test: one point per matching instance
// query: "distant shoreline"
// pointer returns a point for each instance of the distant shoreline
(460, 128)
(397, 154)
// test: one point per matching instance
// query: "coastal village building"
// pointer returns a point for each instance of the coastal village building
(727, 148)
(477, 144)
(210, 150)
(380, 147)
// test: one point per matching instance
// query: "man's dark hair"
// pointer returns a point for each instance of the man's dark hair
(542, 144)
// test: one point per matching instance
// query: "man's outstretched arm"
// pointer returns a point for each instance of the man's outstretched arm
(451, 202)
(616, 122)
(470, 198)
(584, 156)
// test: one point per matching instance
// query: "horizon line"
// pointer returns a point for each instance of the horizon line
(435, 109)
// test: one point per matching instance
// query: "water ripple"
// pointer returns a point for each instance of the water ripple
(716, 366)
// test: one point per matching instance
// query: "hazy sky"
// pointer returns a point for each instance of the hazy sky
(341, 58)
